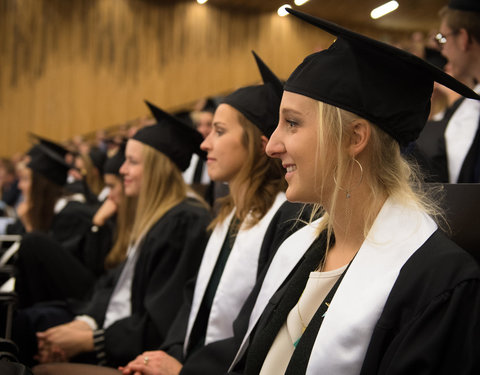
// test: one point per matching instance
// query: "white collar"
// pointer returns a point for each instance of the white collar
(63, 201)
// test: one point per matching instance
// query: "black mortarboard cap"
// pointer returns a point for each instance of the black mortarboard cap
(98, 158)
(260, 103)
(435, 57)
(113, 163)
(209, 106)
(54, 146)
(48, 163)
(172, 137)
(467, 5)
(381, 83)
(185, 117)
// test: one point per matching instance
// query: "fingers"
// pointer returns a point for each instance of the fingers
(139, 369)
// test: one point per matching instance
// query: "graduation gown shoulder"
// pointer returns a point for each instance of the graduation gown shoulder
(169, 256)
(70, 227)
(215, 357)
(431, 320)
(429, 324)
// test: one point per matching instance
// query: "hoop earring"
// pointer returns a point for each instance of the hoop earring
(348, 190)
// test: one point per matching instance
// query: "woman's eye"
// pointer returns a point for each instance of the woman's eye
(291, 123)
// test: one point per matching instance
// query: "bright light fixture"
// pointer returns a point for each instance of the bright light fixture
(202, 1)
(300, 2)
(384, 9)
(282, 12)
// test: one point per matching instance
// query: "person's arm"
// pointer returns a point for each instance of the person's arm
(107, 210)
(442, 338)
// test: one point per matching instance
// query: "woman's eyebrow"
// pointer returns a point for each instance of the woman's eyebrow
(290, 111)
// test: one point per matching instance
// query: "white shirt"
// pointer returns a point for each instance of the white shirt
(120, 304)
(460, 133)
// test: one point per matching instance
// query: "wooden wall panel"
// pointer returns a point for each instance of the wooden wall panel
(71, 67)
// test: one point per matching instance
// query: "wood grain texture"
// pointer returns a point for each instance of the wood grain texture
(71, 67)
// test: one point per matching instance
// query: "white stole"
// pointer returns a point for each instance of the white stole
(344, 336)
(238, 277)
(286, 258)
(460, 133)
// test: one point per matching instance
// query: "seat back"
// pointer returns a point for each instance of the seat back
(462, 209)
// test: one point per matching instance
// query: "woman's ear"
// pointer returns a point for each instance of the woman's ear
(264, 143)
(361, 131)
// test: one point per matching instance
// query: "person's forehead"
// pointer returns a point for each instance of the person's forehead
(444, 27)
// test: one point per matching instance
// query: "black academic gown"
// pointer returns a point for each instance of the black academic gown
(429, 324)
(430, 150)
(216, 357)
(57, 265)
(169, 256)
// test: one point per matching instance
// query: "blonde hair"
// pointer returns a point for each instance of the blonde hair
(123, 231)
(387, 173)
(162, 188)
(262, 176)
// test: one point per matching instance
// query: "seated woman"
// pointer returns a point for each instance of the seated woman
(252, 218)
(132, 309)
(88, 175)
(108, 240)
(386, 292)
(56, 224)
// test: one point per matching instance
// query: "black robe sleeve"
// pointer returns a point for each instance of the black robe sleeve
(98, 242)
(70, 228)
(431, 320)
(169, 257)
(47, 272)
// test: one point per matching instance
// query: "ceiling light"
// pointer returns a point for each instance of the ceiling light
(202, 1)
(300, 2)
(282, 12)
(384, 9)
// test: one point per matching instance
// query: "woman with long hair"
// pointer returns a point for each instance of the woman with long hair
(251, 219)
(384, 291)
(51, 260)
(109, 237)
(132, 309)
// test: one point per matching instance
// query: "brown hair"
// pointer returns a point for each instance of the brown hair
(262, 176)
(43, 197)
(123, 230)
(461, 19)
(92, 175)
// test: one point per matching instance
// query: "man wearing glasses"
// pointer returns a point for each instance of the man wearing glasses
(459, 39)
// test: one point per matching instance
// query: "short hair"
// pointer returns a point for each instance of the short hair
(461, 19)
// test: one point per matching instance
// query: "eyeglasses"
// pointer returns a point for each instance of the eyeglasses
(441, 39)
